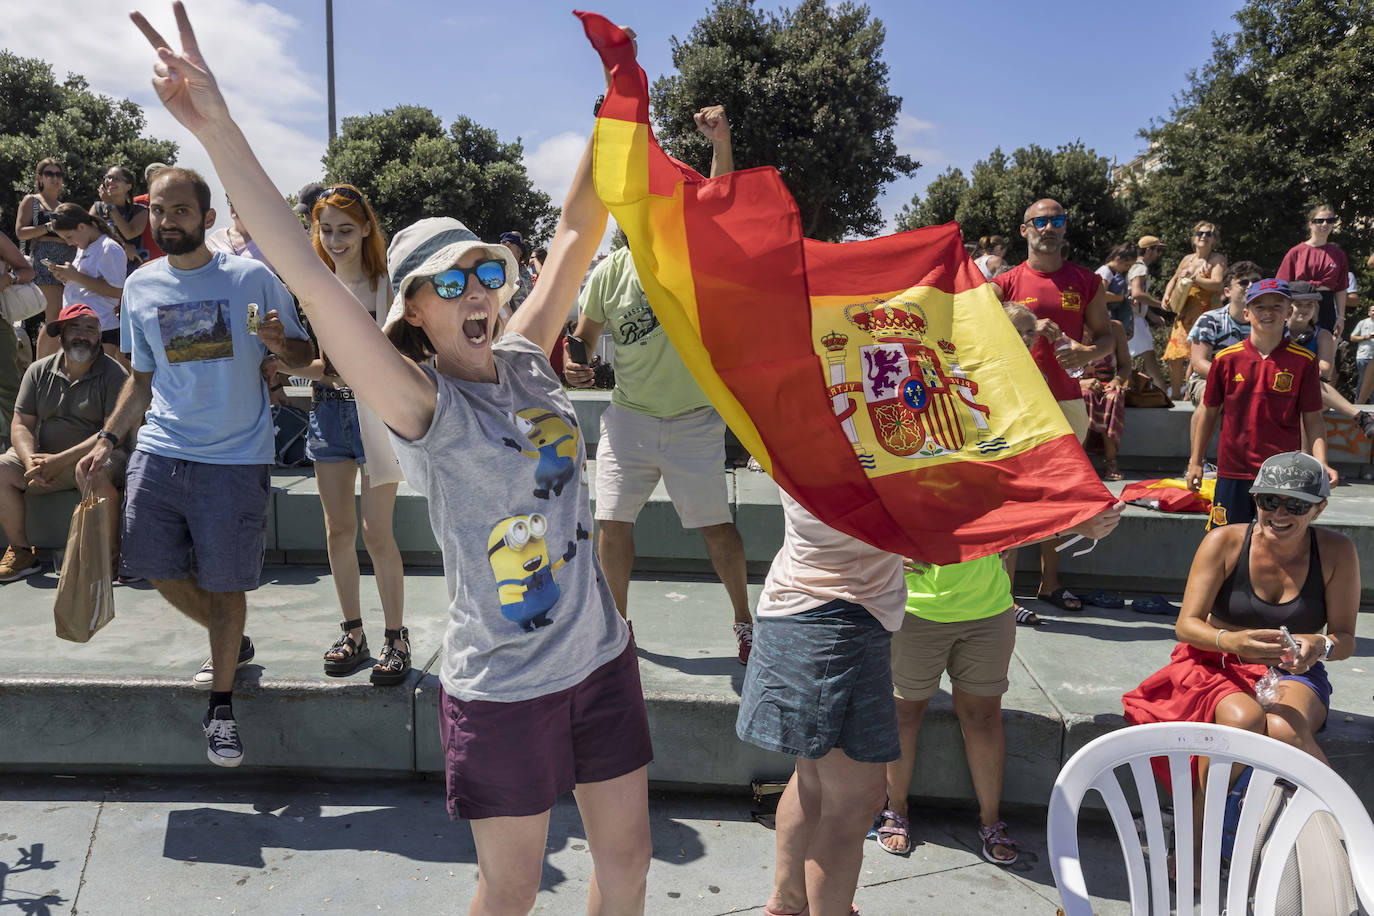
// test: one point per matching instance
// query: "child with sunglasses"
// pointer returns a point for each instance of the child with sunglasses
(1267, 390)
(541, 690)
(1246, 582)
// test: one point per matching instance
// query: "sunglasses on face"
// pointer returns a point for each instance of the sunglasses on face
(52, 174)
(348, 193)
(1324, 220)
(1040, 222)
(1203, 234)
(1271, 501)
(1246, 281)
(491, 274)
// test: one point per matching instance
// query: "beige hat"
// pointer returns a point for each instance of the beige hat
(431, 246)
(1148, 241)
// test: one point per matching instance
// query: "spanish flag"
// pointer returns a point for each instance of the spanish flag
(878, 382)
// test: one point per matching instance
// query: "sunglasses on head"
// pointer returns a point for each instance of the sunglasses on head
(1040, 222)
(348, 193)
(1271, 501)
(491, 274)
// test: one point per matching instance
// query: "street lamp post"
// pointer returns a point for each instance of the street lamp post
(329, 62)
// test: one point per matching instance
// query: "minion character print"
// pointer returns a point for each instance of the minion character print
(553, 446)
(524, 571)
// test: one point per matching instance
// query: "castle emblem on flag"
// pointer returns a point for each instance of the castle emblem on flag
(919, 402)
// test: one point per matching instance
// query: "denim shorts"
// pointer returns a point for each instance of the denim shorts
(334, 432)
(515, 759)
(188, 517)
(1315, 678)
(819, 680)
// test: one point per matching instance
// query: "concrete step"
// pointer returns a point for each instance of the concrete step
(123, 701)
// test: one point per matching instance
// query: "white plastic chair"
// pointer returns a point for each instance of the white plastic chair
(1319, 788)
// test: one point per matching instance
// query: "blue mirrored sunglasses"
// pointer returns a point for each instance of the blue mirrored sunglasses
(450, 284)
(1040, 222)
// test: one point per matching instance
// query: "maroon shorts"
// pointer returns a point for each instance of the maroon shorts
(515, 759)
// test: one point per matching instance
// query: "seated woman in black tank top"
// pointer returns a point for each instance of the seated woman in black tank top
(1246, 581)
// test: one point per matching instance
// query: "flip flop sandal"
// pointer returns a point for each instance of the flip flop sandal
(1026, 617)
(1155, 604)
(1103, 599)
(900, 827)
(996, 835)
(354, 653)
(1060, 598)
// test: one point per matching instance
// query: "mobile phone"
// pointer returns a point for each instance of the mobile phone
(577, 350)
(1288, 641)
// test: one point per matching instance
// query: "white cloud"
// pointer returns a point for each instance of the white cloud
(252, 47)
(552, 163)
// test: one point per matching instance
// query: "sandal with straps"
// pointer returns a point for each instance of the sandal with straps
(996, 835)
(394, 662)
(346, 656)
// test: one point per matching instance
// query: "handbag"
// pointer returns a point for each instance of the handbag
(1143, 393)
(19, 301)
(85, 592)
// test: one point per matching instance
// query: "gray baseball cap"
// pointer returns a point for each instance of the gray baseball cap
(1295, 474)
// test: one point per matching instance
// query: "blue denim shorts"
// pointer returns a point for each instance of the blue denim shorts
(187, 517)
(1315, 678)
(334, 432)
(819, 680)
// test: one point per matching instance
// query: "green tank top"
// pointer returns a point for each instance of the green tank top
(959, 592)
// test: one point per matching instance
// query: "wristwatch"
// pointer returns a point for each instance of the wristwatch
(108, 436)
(1330, 644)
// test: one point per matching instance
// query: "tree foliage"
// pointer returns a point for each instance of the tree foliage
(40, 117)
(806, 91)
(410, 167)
(1280, 119)
(992, 200)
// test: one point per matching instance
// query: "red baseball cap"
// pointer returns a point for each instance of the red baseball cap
(75, 310)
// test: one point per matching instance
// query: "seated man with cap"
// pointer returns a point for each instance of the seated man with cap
(64, 401)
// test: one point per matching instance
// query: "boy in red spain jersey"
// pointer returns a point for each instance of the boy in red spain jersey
(1268, 392)
(1065, 299)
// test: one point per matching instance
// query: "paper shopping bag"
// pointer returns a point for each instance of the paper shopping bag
(85, 591)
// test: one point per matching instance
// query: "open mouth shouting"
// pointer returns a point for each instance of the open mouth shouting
(475, 327)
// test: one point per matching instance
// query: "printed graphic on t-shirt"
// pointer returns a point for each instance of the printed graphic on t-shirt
(553, 445)
(638, 323)
(524, 570)
(196, 331)
(1070, 300)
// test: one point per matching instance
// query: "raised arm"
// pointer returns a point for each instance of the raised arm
(393, 386)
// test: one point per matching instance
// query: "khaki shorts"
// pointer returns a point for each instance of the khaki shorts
(976, 653)
(1076, 412)
(687, 451)
(1196, 386)
(67, 479)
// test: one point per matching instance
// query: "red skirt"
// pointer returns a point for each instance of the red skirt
(1189, 689)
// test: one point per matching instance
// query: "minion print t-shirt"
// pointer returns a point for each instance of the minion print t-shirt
(503, 467)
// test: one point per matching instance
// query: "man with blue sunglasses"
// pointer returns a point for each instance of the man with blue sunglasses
(1068, 300)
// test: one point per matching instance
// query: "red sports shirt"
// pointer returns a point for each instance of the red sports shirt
(1262, 400)
(1061, 296)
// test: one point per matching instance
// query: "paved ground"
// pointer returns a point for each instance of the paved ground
(138, 846)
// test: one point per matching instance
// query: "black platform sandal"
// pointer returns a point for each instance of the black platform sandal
(394, 663)
(355, 653)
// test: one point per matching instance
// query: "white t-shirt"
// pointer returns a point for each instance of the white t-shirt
(1363, 328)
(103, 258)
(818, 564)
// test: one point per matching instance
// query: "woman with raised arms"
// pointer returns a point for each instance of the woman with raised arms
(541, 688)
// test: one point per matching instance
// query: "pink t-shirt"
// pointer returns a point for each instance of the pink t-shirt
(1324, 265)
(818, 564)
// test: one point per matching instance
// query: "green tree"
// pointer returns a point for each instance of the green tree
(410, 167)
(1281, 118)
(807, 92)
(940, 205)
(40, 117)
(1000, 188)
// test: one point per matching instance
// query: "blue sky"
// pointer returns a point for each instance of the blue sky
(972, 76)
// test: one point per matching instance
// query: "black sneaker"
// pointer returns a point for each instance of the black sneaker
(222, 732)
(206, 675)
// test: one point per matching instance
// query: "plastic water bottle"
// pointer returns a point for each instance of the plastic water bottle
(1063, 343)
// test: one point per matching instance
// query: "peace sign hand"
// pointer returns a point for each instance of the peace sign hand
(183, 81)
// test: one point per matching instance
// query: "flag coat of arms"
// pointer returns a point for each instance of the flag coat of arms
(878, 382)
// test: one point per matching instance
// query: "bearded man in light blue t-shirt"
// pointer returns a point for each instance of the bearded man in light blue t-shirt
(199, 326)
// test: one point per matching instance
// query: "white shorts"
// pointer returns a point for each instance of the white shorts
(1142, 341)
(687, 451)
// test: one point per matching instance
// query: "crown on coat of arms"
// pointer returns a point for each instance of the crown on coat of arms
(834, 341)
(887, 321)
(945, 345)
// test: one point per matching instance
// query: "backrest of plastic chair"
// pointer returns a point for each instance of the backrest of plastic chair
(1094, 768)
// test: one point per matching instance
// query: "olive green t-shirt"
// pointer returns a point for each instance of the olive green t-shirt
(69, 412)
(649, 375)
(959, 592)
